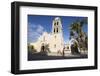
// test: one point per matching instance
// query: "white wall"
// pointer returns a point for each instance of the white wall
(5, 41)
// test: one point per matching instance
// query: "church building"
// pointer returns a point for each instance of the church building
(53, 40)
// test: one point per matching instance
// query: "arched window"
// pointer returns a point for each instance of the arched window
(57, 23)
(54, 30)
(67, 47)
(57, 30)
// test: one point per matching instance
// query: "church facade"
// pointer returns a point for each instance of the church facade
(53, 40)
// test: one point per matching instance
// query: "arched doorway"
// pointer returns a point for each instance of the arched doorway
(74, 46)
(42, 48)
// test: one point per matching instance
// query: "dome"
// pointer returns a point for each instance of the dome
(57, 18)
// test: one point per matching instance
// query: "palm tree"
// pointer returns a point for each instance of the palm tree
(79, 34)
(71, 34)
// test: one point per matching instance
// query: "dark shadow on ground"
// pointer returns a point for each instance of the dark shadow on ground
(44, 56)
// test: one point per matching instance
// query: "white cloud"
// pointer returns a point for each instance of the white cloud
(34, 32)
(40, 29)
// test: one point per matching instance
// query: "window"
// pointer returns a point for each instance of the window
(57, 23)
(57, 29)
(67, 47)
(54, 30)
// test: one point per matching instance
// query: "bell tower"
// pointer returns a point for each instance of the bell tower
(56, 26)
(57, 42)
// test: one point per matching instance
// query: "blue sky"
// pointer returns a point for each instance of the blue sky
(37, 24)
